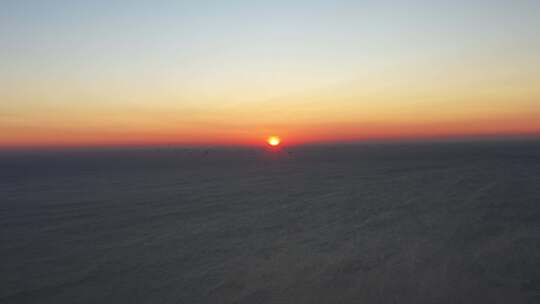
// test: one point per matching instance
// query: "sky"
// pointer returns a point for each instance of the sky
(87, 73)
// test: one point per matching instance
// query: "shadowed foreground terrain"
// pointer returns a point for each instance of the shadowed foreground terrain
(400, 223)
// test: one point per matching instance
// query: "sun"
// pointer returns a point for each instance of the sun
(274, 141)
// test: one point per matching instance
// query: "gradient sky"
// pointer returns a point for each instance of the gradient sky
(234, 72)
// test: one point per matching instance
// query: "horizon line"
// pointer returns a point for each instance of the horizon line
(173, 145)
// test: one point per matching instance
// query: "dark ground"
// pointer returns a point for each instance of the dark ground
(401, 223)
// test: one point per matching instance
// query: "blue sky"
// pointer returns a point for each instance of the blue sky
(200, 58)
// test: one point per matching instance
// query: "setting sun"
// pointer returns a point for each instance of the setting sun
(274, 141)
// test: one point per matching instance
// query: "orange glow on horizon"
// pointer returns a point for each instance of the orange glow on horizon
(250, 133)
